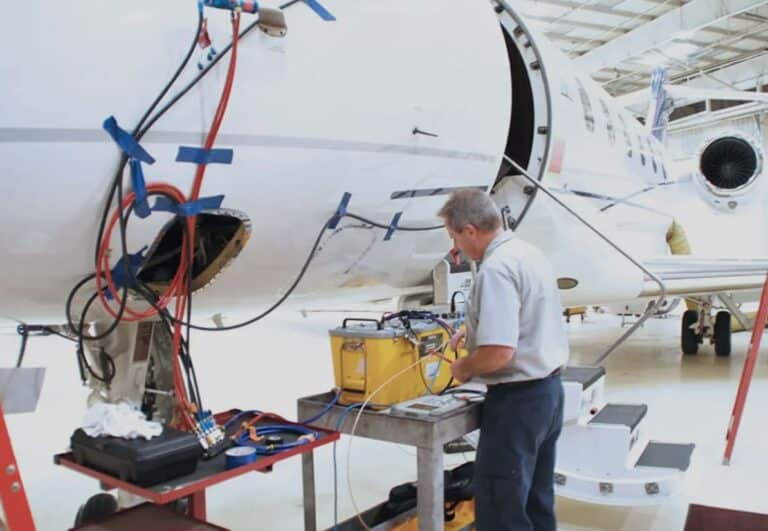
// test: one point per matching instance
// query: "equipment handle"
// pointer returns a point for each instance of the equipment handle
(361, 319)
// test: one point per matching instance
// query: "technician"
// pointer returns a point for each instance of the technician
(517, 342)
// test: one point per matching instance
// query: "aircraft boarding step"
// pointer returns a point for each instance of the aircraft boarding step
(666, 455)
(601, 457)
(629, 415)
(586, 376)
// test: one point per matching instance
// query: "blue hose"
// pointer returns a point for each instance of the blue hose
(252, 413)
(325, 410)
(244, 438)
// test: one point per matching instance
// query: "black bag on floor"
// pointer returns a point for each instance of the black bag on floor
(458, 487)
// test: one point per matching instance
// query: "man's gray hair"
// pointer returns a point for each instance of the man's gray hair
(471, 206)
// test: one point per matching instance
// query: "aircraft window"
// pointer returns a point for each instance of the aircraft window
(589, 117)
(641, 149)
(565, 90)
(652, 154)
(627, 139)
(609, 122)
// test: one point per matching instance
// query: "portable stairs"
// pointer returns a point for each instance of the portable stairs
(602, 457)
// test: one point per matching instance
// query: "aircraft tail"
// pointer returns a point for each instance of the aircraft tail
(660, 107)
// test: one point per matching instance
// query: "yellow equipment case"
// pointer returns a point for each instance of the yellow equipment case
(366, 353)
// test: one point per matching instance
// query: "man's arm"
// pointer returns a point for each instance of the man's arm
(485, 360)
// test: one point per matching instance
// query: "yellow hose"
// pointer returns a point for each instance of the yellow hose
(678, 244)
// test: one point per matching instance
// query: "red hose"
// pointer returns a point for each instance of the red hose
(178, 287)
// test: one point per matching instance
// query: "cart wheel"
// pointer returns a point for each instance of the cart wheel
(96, 508)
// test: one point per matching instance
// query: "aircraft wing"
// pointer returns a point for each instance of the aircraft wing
(688, 275)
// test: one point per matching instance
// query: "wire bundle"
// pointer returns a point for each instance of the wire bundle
(179, 290)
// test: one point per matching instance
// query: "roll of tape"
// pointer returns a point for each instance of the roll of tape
(239, 456)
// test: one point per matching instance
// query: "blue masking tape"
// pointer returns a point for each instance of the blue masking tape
(125, 140)
(118, 272)
(341, 211)
(320, 10)
(140, 203)
(239, 456)
(204, 156)
(393, 226)
(192, 208)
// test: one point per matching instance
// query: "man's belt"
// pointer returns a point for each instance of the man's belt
(524, 383)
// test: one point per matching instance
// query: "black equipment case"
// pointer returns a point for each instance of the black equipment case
(142, 462)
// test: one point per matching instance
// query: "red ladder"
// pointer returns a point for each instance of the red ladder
(12, 495)
(746, 375)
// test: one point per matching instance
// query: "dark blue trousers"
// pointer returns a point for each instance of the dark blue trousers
(514, 468)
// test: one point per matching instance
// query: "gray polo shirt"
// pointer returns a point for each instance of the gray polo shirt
(515, 303)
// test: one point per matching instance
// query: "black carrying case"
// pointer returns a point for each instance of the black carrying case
(142, 462)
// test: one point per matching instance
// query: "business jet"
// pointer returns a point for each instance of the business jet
(347, 126)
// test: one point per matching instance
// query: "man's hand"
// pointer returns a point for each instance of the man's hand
(457, 340)
(460, 369)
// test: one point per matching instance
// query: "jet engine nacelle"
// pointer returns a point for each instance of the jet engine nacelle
(729, 169)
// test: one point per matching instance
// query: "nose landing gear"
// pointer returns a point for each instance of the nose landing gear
(698, 325)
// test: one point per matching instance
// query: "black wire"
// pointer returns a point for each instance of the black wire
(138, 133)
(24, 330)
(50, 330)
(148, 295)
(387, 227)
(453, 299)
(405, 317)
(463, 390)
(124, 158)
(117, 186)
(297, 280)
(165, 315)
(106, 378)
(189, 369)
(275, 305)
(24, 333)
(194, 82)
(191, 380)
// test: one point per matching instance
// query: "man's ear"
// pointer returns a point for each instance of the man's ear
(470, 230)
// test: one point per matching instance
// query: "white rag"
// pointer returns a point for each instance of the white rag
(119, 420)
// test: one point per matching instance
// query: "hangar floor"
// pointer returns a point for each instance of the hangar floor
(269, 365)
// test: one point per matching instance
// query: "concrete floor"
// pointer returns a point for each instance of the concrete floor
(286, 356)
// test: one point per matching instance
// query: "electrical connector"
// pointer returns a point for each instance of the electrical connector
(247, 6)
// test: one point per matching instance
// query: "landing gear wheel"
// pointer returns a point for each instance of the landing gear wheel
(96, 508)
(689, 340)
(723, 334)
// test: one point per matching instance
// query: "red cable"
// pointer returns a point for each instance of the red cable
(178, 286)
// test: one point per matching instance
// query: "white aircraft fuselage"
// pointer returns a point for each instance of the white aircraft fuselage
(331, 108)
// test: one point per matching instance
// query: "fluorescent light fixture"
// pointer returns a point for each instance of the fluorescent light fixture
(684, 35)
(653, 59)
(680, 50)
(541, 9)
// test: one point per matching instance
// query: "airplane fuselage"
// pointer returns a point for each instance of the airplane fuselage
(332, 108)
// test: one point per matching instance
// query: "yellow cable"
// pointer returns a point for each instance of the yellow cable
(357, 419)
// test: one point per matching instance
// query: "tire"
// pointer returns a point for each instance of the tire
(723, 334)
(689, 340)
(96, 508)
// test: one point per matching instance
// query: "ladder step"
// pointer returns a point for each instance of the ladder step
(586, 376)
(625, 414)
(667, 455)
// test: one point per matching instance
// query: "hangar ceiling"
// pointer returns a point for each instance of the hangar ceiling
(701, 43)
